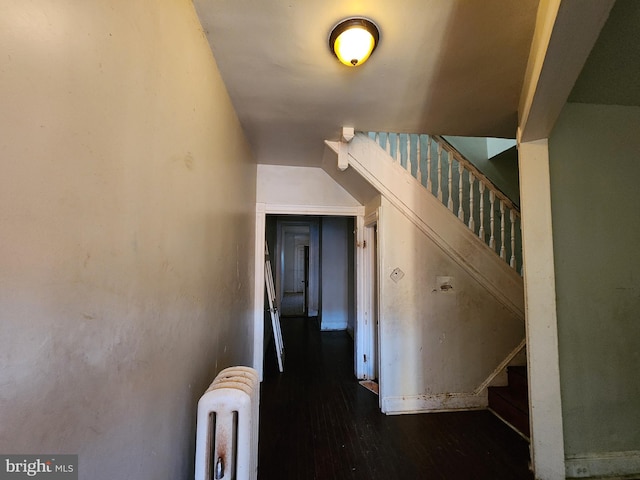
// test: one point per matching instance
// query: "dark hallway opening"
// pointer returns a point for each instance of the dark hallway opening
(318, 422)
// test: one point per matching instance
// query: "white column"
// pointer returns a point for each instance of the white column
(547, 444)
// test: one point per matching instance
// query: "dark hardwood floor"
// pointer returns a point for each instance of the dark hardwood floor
(318, 422)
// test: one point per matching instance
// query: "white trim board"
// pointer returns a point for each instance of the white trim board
(263, 209)
(447, 402)
(331, 210)
(545, 403)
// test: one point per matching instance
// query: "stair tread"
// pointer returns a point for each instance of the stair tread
(512, 396)
(513, 411)
(511, 403)
(514, 418)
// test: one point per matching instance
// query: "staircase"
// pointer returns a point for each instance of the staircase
(431, 183)
(461, 187)
(471, 227)
(511, 403)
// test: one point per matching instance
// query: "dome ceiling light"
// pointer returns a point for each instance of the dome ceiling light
(353, 40)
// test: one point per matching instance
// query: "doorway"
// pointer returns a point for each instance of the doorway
(293, 240)
(330, 309)
(314, 269)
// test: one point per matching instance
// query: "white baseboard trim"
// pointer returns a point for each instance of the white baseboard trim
(604, 464)
(332, 327)
(434, 403)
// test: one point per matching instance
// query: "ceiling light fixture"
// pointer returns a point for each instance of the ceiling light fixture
(353, 40)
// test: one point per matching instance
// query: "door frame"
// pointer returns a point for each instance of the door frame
(264, 209)
(371, 293)
(305, 281)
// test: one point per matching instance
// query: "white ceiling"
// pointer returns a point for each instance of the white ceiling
(451, 67)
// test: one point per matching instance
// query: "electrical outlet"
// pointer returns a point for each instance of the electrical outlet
(579, 471)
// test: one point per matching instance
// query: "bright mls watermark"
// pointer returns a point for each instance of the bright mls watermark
(49, 467)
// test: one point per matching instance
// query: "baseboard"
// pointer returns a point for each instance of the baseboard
(605, 464)
(434, 403)
(326, 326)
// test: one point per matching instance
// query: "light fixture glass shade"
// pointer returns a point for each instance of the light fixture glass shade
(353, 40)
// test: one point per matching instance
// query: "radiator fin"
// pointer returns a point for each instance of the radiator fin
(227, 427)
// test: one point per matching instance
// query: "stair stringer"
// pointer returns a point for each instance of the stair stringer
(439, 224)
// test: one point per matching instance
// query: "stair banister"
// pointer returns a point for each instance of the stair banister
(477, 173)
(507, 210)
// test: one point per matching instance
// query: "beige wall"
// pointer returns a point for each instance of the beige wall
(434, 342)
(127, 233)
(282, 185)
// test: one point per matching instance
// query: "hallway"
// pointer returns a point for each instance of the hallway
(317, 422)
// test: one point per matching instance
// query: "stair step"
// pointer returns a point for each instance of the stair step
(517, 376)
(512, 406)
(514, 397)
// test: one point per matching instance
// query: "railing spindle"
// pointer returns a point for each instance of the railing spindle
(512, 217)
(449, 183)
(503, 253)
(417, 159)
(429, 185)
(481, 231)
(492, 222)
(440, 171)
(472, 223)
(475, 201)
(460, 209)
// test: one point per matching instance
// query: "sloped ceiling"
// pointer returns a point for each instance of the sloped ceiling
(451, 67)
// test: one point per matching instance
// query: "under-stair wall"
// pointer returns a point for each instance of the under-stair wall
(451, 311)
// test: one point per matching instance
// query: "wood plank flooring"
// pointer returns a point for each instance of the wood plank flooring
(317, 422)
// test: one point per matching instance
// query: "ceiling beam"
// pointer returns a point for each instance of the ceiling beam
(565, 33)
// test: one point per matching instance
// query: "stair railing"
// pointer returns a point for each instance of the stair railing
(460, 187)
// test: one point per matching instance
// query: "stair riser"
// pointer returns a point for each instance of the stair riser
(516, 417)
(517, 379)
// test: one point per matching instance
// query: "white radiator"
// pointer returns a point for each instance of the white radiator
(227, 427)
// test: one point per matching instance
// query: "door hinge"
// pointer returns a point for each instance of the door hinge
(364, 244)
(365, 358)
